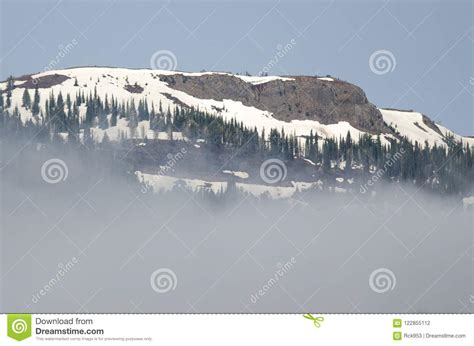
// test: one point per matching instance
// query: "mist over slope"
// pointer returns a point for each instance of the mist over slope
(228, 253)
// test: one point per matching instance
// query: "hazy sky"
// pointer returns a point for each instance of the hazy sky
(430, 43)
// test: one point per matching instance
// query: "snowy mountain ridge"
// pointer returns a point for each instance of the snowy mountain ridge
(163, 87)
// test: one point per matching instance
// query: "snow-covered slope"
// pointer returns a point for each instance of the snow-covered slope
(115, 82)
(163, 183)
(410, 124)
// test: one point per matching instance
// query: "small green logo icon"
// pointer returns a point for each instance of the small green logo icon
(19, 326)
(397, 323)
(316, 320)
(397, 336)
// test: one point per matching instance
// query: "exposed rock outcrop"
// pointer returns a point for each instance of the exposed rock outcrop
(300, 98)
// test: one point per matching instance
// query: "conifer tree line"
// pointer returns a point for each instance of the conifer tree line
(446, 168)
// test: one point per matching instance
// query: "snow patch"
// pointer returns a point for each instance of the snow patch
(255, 80)
(239, 174)
(468, 202)
(161, 183)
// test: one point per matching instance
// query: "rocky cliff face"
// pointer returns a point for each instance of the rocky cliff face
(295, 98)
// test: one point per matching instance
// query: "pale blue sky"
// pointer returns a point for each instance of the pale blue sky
(431, 41)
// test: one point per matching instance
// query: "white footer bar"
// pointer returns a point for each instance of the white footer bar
(237, 329)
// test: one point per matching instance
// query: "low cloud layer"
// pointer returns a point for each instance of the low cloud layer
(400, 250)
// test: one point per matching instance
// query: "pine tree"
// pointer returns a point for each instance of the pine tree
(88, 139)
(26, 99)
(132, 118)
(61, 124)
(10, 86)
(73, 120)
(105, 140)
(90, 115)
(68, 102)
(36, 99)
(113, 117)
